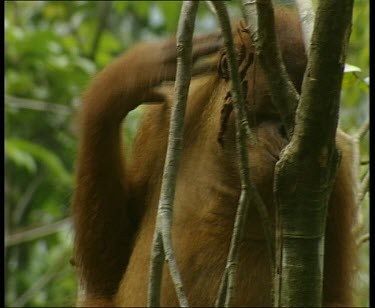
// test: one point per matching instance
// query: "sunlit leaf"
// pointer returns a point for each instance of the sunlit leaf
(351, 68)
(45, 156)
(19, 157)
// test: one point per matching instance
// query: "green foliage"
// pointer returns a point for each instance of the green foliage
(33, 152)
(50, 56)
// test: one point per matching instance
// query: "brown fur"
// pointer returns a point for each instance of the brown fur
(115, 203)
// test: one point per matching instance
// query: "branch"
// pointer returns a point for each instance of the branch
(261, 24)
(104, 14)
(163, 238)
(211, 7)
(17, 102)
(356, 139)
(363, 239)
(362, 131)
(36, 233)
(307, 16)
(228, 283)
(312, 151)
(319, 103)
(58, 268)
(364, 187)
(24, 201)
(156, 270)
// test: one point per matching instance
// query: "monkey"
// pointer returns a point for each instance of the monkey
(117, 190)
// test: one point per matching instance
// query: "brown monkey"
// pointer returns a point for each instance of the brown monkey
(116, 197)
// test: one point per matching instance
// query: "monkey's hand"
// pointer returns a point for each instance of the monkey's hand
(130, 80)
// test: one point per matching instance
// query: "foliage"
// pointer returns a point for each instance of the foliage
(50, 54)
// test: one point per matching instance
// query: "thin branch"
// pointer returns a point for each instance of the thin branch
(248, 189)
(24, 201)
(307, 15)
(156, 270)
(364, 188)
(362, 130)
(11, 101)
(36, 233)
(211, 7)
(103, 18)
(58, 269)
(261, 24)
(165, 209)
(363, 239)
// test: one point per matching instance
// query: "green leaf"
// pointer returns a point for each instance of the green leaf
(142, 8)
(43, 155)
(171, 11)
(348, 80)
(19, 157)
(120, 6)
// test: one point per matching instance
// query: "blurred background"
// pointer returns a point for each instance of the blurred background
(52, 49)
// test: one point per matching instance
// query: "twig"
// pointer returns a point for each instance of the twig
(11, 101)
(35, 233)
(356, 139)
(24, 201)
(364, 238)
(163, 237)
(261, 23)
(211, 7)
(362, 130)
(57, 269)
(156, 271)
(364, 187)
(248, 189)
(104, 14)
(307, 15)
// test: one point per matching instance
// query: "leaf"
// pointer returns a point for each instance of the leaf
(351, 68)
(45, 156)
(171, 11)
(19, 157)
(348, 80)
(120, 6)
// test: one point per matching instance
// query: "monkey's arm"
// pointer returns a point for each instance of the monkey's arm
(103, 222)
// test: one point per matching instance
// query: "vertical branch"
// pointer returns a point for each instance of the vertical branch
(163, 238)
(362, 189)
(156, 271)
(228, 283)
(261, 23)
(103, 18)
(306, 15)
(312, 151)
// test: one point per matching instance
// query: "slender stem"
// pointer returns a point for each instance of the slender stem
(307, 15)
(247, 187)
(156, 271)
(363, 239)
(165, 209)
(365, 185)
